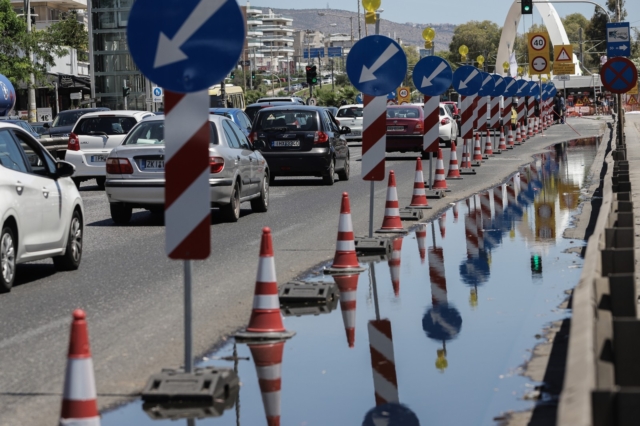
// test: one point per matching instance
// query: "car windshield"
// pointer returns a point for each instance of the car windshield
(152, 133)
(403, 113)
(67, 118)
(288, 120)
(350, 112)
(105, 126)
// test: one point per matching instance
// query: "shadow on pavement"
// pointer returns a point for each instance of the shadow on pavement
(31, 272)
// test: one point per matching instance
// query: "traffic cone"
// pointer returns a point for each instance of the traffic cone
(266, 320)
(518, 135)
(464, 163)
(345, 259)
(510, 138)
(79, 400)
(421, 236)
(439, 181)
(488, 146)
(391, 221)
(348, 285)
(454, 172)
(394, 265)
(442, 224)
(530, 128)
(268, 360)
(502, 146)
(419, 198)
(477, 149)
(536, 125)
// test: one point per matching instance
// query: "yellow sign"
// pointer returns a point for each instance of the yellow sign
(404, 95)
(563, 60)
(539, 53)
(428, 34)
(371, 5)
(633, 91)
(632, 101)
(463, 50)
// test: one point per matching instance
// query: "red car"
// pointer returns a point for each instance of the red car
(405, 128)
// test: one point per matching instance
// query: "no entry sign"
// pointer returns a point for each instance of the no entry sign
(619, 75)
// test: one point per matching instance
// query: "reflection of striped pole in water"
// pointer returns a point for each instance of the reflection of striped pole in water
(455, 212)
(437, 276)
(498, 204)
(394, 265)
(421, 237)
(268, 360)
(442, 224)
(480, 231)
(385, 381)
(471, 234)
(348, 285)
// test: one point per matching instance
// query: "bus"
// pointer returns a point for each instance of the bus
(235, 96)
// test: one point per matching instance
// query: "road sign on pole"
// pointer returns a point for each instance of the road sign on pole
(563, 59)
(538, 53)
(376, 65)
(467, 80)
(618, 39)
(158, 94)
(619, 75)
(404, 95)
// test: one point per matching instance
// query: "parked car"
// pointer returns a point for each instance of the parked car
(39, 126)
(252, 110)
(92, 139)
(300, 140)
(41, 212)
(351, 116)
(135, 171)
(332, 110)
(25, 125)
(65, 120)
(281, 99)
(405, 128)
(455, 112)
(236, 115)
(448, 126)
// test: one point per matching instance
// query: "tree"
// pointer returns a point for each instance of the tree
(69, 32)
(482, 38)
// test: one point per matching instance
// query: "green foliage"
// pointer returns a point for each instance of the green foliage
(69, 32)
(342, 80)
(482, 38)
(252, 96)
(328, 97)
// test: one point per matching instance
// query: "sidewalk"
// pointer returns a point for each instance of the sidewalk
(632, 133)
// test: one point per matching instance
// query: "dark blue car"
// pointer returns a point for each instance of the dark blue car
(236, 115)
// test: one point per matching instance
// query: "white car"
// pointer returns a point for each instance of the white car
(41, 212)
(92, 139)
(135, 171)
(448, 127)
(351, 116)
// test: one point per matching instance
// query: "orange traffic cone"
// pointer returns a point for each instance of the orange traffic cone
(466, 154)
(391, 221)
(477, 149)
(439, 181)
(419, 198)
(502, 146)
(510, 138)
(518, 135)
(268, 360)
(421, 237)
(488, 146)
(454, 171)
(348, 285)
(345, 260)
(266, 320)
(394, 265)
(531, 128)
(79, 400)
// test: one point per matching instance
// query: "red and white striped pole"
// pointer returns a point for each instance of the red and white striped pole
(494, 121)
(385, 380)
(431, 139)
(481, 121)
(530, 115)
(520, 111)
(466, 130)
(437, 276)
(374, 144)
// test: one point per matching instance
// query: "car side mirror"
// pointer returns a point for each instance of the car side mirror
(45, 125)
(64, 169)
(345, 130)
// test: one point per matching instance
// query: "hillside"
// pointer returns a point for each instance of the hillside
(409, 33)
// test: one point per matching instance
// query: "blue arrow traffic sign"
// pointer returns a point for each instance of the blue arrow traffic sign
(523, 88)
(534, 89)
(432, 76)
(511, 86)
(187, 45)
(376, 65)
(467, 80)
(392, 95)
(500, 85)
(552, 90)
(618, 39)
(487, 85)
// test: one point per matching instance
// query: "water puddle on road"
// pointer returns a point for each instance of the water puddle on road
(443, 326)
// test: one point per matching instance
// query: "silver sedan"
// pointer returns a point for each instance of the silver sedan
(135, 171)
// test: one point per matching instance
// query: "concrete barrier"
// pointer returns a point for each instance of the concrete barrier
(56, 146)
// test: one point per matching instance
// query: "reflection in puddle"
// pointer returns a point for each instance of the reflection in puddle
(495, 262)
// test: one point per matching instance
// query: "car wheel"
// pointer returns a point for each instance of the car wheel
(327, 179)
(70, 260)
(120, 213)
(100, 182)
(77, 182)
(261, 204)
(231, 211)
(344, 173)
(7, 259)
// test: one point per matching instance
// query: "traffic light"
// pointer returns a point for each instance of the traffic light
(312, 74)
(536, 264)
(253, 75)
(233, 75)
(126, 91)
(526, 7)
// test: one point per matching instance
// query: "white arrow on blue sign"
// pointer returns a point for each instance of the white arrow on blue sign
(512, 86)
(188, 45)
(523, 87)
(467, 80)
(376, 65)
(432, 76)
(487, 85)
(618, 39)
(499, 85)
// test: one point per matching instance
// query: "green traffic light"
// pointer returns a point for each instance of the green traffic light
(527, 8)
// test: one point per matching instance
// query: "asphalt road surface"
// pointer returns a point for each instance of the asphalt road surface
(133, 293)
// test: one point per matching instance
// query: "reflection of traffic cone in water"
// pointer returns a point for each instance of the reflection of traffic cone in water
(394, 265)
(268, 360)
(421, 236)
(439, 181)
(79, 400)
(419, 197)
(454, 171)
(442, 224)
(345, 259)
(385, 381)
(455, 212)
(348, 285)
(391, 220)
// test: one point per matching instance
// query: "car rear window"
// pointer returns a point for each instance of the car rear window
(253, 110)
(403, 113)
(105, 125)
(290, 119)
(442, 111)
(350, 112)
(152, 133)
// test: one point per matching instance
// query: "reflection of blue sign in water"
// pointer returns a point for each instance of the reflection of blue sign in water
(432, 76)
(185, 46)
(376, 65)
(442, 322)
(475, 271)
(618, 39)
(499, 85)
(157, 91)
(314, 52)
(487, 85)
(511, 86)
(334, 52)
(467, 80)
(391, 414)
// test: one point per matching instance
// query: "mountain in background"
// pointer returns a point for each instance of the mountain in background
(409, 33)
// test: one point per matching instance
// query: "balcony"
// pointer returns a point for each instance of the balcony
(254, 43)
(251, 32)
(277, 38)
(275, 50)
(252, 21)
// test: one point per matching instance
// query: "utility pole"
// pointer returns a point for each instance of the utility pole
(359, 24)
(31, 90)
(124, 95)
(581, 43)
(333, 85)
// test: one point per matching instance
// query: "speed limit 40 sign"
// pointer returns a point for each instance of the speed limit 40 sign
(539, 53)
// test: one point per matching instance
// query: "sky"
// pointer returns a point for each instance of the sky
(459, 12)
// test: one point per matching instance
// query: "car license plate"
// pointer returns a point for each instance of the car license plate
(154, 164)
(355, 133)
(98, 158)
(395, 128)
(286, 143)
